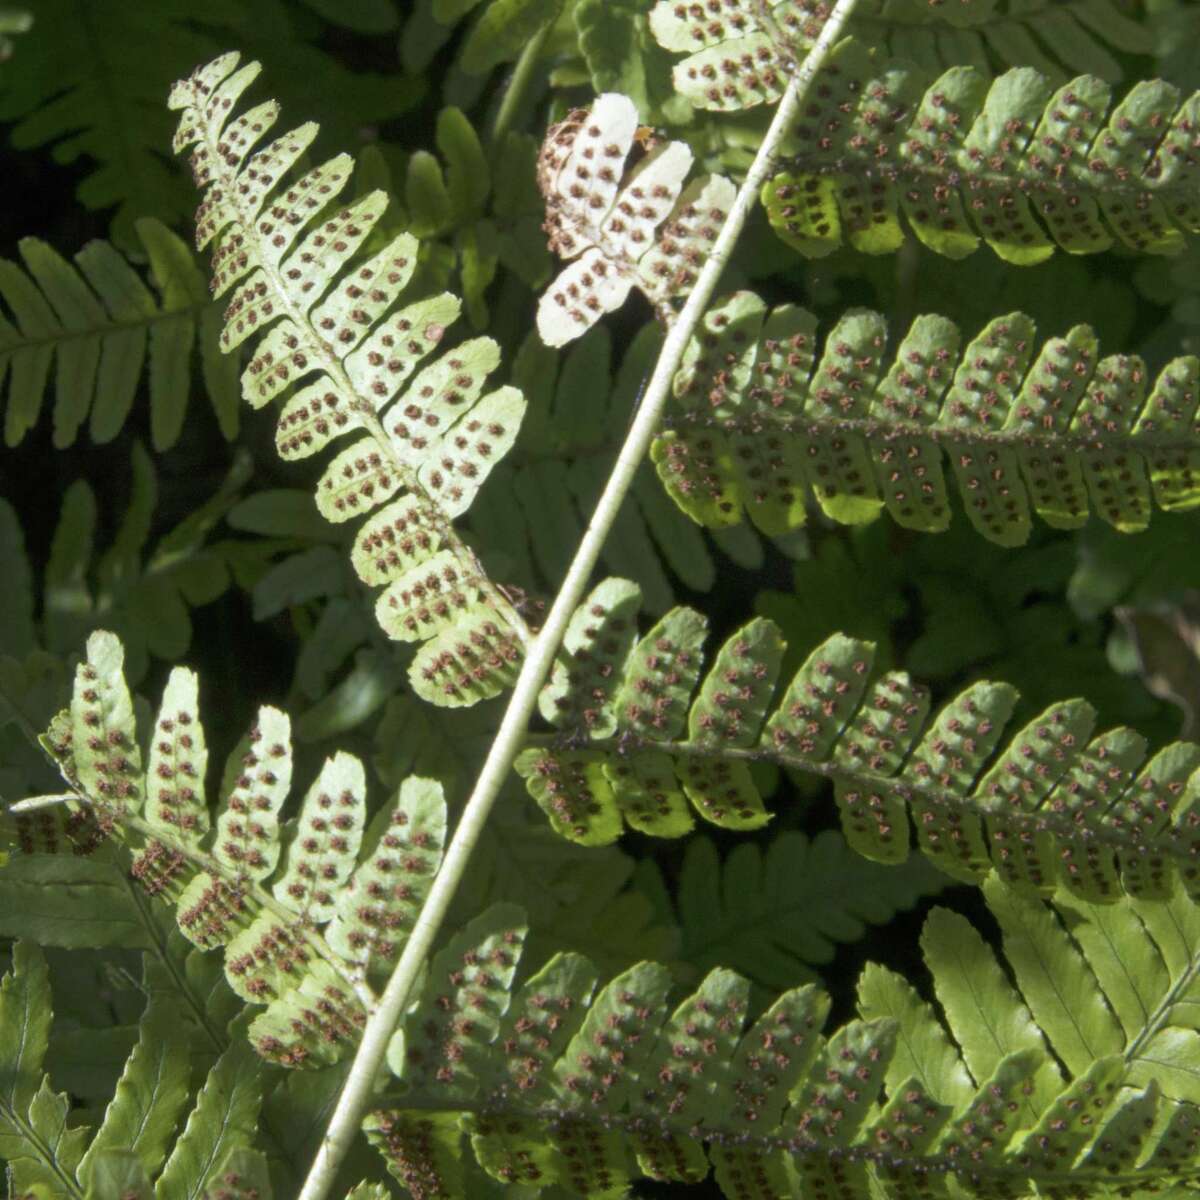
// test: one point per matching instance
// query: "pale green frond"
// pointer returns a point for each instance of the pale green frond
(337, 341)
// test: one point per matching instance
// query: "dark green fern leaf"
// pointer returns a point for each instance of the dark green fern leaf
(89, 84)
(98, 331)
(761, 419)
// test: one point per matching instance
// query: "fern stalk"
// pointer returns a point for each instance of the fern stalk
(357, 1090)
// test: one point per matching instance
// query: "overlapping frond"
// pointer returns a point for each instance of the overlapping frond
(142, 1136)
(97, 330)
(738, 55)
(652, 740)
(1074, 1082)
(309, 911)
(623, 227)
(542, 495)
(323, 297)
(1014, 163)
(763, 417)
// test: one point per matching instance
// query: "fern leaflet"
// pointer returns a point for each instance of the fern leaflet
(562, 1082)
(329, 323)
(624, 228)
(760, 420)
(655, 743)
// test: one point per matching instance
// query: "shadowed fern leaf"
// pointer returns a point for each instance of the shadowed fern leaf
(139, 1137)
(563, 1082)
(658, 740)
(332, 337)
(99, 330)
(760, 420)
(776, 912)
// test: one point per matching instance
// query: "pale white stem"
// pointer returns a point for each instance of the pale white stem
(360, 1082)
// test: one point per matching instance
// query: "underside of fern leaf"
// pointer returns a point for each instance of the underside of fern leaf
(1013, 162)
(1016, 164)
(310, 911)
(761, 420)
(623, 228)
(1069, 1082)
(653, 740)
(323, 295)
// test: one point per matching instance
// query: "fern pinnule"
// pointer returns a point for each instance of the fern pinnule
(623, 228)
(327, 318)
(760, 420)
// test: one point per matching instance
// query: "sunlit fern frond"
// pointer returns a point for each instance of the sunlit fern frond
(322, 296)
(309, 910)
(1076, 1079)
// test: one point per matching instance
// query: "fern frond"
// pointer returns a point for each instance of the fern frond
(331, 327)
(624, 228)
(588, 1087)
(775, 913)
(92, 89)
(738, 55)
(99, 331)
(761, 419)
(47, 1156)
(1051, 804)
(1017, 164)
(309, 911)
(329, 313)
(35, 1141)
